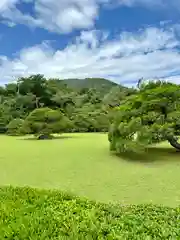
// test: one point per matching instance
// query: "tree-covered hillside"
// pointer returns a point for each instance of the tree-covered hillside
(86, 104)
(98, 83)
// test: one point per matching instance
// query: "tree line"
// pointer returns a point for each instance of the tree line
(44, 102)
(135, 118)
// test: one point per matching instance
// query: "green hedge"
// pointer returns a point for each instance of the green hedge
(32, 214)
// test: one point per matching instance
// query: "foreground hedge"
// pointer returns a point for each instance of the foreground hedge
(33, 214)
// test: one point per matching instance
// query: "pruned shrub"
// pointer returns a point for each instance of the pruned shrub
(15, 126)
(43, 122)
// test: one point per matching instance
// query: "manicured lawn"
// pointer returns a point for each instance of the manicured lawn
(82, 164)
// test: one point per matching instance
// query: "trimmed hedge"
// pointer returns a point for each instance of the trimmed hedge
(33, 214)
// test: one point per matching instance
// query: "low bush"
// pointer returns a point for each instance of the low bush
(27, 213)
(43, 122)
(14, 127)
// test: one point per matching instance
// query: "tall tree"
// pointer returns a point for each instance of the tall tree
(36, 85)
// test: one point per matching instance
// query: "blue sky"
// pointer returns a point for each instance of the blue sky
(122, 40)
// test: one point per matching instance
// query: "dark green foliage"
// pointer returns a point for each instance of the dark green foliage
(45, 121)
(78, 99)
(5, 116)
(150, 116)
(14, 127)
(27, 213)
(10, 90)
(87, 83)
(116, 95)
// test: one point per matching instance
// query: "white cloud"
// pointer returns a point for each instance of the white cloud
(63, 16)
(53, 15)
(149, 3)
(149, 53)
(165, 4)
(6, 5)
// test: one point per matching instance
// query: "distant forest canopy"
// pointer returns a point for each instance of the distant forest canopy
(86, 102)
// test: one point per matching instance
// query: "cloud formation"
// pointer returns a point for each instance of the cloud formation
(63, 16)
(161, 4)
(149, 53)
(57, 16)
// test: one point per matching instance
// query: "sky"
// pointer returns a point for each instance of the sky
(121, 40)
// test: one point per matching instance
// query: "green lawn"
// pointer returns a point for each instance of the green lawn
(82, 164)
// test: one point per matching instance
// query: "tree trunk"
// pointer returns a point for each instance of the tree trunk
(174, 142)
(37, 102)
(45, 137)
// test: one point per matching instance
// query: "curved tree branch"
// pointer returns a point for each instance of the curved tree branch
(174, 142)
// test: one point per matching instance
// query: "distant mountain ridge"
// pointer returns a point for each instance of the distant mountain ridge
(97, 83)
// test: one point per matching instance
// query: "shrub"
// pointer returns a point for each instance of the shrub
(43, 122)
(27, 213)
(14, 127)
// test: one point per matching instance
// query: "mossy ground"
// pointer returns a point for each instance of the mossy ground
(83, 164)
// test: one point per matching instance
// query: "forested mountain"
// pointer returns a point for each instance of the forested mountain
(86, 103)
(98, 83)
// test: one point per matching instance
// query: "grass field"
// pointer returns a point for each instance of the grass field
(82, 164)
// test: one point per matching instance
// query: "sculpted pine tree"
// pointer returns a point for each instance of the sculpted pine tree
(43, 122)
(14, 127)
(150, 116)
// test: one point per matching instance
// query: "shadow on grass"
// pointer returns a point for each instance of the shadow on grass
(50, 139)
(153, 154)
